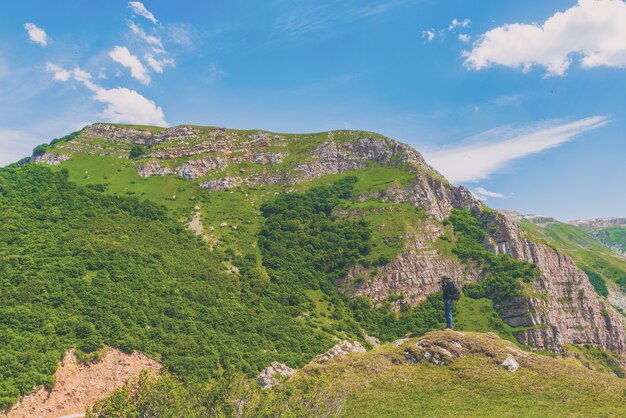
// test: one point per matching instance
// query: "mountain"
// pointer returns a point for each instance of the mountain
(609, 231)
(217, 251)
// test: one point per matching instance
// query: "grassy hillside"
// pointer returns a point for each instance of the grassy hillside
(613, 237)
(587, 252)
(82, 268)
(386, 383)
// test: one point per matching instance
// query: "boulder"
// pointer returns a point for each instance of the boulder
(273, 373)
(510, 364)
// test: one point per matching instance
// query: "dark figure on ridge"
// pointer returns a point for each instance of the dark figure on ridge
(450, 292)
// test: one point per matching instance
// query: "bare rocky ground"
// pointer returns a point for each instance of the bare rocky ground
(78, 386)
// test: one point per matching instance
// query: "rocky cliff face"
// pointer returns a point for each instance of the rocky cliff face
(413, 275)
(565, 307)
(49, 158)
(191, 153)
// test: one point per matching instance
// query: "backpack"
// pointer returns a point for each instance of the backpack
(456, 293)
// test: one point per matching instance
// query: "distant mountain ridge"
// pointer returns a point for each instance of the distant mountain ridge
(610, 232)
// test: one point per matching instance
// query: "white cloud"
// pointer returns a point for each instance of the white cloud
(428, 35)
(158, 65)
(36, 34)
(482, 157)
(128, 106)
(484, 194)
(139, 9)
(153, 40)
(122, 55)
(595, 30)
(456, 23)
(123, 105)
(60, 74)
(464, 37)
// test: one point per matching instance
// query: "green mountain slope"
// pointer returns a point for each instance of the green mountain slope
(613, 237)
(83, 269)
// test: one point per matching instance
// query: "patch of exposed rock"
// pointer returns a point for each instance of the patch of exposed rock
(413, 274)
(510, 364)
(222, 184)
(433, 194)
(153, 169)
(140, 136)
(442, 348)
(198, 168)
(273, 374)
(616, 297)
(189, 170)
(265, 158)
(50, 158)
(78, 386)
(341, 349)
(329, 158)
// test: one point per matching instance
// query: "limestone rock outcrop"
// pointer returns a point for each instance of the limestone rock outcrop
(198, 168)
(341, 349)
(153, 169)
(413, 275)
(566, 308)
(222, 184)
(50, 158)
(272, 374)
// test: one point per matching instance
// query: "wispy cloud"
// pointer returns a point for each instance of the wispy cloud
(181, 34)
(153, 40)
(139, 9)
(36, 34)
(491, 151)
(428, 35)
(484, 194)
(379, 8)
(311, 16)
(594, 30)
(456, 23)
(158, 65)
(122, 55)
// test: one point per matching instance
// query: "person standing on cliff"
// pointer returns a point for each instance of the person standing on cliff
(450, 292)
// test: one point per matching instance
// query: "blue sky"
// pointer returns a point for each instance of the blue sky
(522, 102)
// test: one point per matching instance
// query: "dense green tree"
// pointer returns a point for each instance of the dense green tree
(137, 151)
